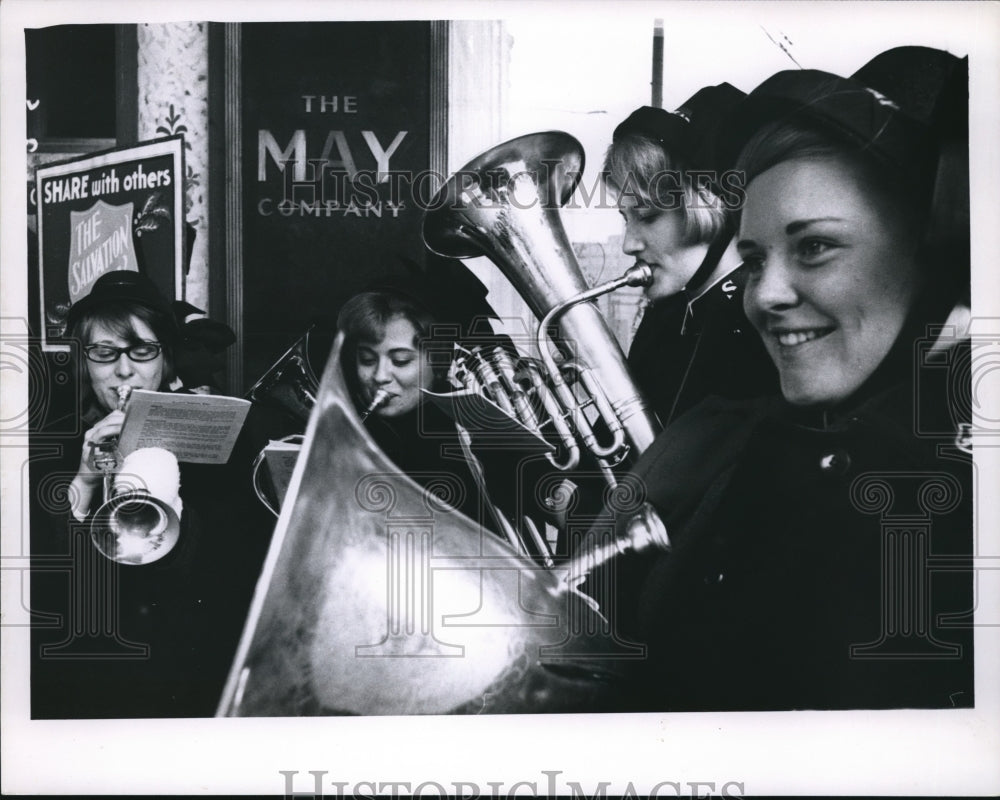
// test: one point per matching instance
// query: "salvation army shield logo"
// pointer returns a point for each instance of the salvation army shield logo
(100, 241)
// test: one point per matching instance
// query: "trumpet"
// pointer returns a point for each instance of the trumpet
(135, 525)
(104, 455)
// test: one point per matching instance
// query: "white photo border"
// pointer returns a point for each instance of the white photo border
(829, 753)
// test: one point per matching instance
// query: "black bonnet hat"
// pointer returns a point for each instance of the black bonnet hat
(689, 132)
(444, 287)
(115, 287)
(888, 107)
(908, 108)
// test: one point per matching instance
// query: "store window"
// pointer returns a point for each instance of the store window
(72, 92)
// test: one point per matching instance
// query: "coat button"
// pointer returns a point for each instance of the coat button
(835, 463)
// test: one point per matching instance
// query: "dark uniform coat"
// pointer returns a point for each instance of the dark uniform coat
(151, 640)
(686, 350)
(424, 444)
(820, 561)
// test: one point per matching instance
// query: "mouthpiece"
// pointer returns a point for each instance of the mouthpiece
(124, 392)
(639, 275)
(380, 399)
(645, 530)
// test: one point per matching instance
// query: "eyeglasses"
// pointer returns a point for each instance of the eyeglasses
(106, 354)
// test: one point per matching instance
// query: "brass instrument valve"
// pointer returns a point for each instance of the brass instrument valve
(104, 455)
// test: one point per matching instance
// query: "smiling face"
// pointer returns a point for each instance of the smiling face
(106, 378)
(832, 275)
(656, 237)
(396, 365)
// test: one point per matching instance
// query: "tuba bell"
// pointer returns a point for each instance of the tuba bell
(377, 596)
(505, 204)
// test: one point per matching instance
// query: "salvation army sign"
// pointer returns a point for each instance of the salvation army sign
(100, 241)
(122, 209)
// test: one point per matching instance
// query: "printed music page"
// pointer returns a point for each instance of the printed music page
(197, 428)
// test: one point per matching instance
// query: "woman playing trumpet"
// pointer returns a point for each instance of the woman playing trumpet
(166, 630)
(128, 340)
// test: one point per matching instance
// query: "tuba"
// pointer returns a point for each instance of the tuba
(378, 596)
(505, 205)
(290, 384)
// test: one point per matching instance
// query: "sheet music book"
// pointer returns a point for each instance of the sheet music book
(197, 428)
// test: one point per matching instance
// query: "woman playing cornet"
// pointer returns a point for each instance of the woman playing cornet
(166, 629)
(128, 337)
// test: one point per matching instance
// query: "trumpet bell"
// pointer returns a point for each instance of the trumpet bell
(135, 528)
(379, 597)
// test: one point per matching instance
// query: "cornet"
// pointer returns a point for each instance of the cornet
(290, 385)
(135, 524)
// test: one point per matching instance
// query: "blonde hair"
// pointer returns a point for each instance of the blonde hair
(639, 166)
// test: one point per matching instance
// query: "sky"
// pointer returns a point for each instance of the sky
(583, 72)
